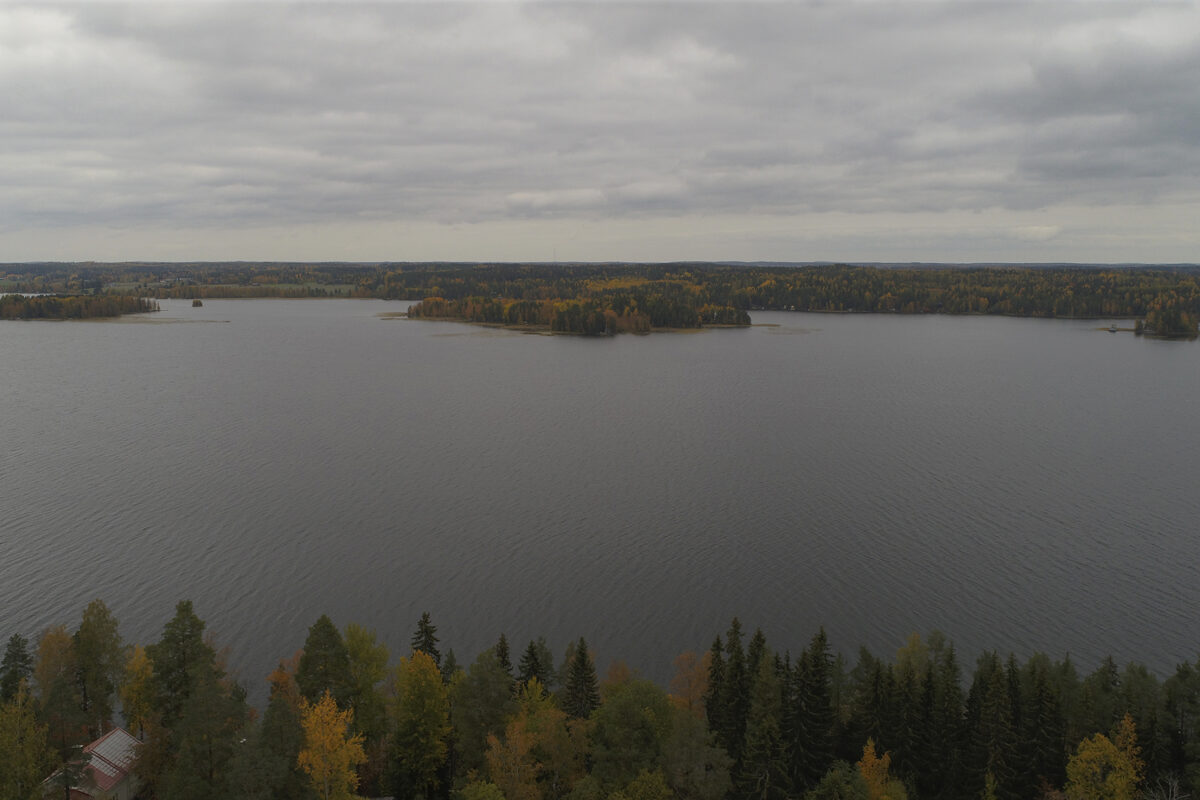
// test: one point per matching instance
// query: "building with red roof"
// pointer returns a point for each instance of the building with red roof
(107, 772)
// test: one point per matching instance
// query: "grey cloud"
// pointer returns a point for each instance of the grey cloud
(277, 114)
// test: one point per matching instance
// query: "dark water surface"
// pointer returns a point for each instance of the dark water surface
(1020, 484)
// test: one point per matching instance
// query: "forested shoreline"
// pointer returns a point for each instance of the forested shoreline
(602, 299)
(744, 720)
(15, 306)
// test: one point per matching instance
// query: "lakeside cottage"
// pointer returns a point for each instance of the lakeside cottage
(107, 773)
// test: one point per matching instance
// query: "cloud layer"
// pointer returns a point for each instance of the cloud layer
(1048, 131)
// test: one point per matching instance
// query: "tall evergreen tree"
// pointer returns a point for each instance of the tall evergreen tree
(17, 666)
(714, 694)
(101, 658)
(449, 666)
(810, 719)
(993, 740)
(481, 702)
(533, 664)
(425, 639)
(1042, 729)
(946, 728)
(756, 651)
(763, 771)
(325, 664)
(205, 738)
(581, 693)
(503, 655)
(735, 694)
(179, 659)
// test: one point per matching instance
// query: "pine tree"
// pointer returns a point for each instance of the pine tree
(425, 639)
(179, 659)
(17, 666)
(582, 693)
(101, 664)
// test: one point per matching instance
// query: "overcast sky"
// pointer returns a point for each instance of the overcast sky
(1051, 131)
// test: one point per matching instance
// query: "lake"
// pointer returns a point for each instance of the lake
(1019, 484)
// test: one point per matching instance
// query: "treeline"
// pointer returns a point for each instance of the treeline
(1167, 300)
(15, 306)
(606, 298)
(744, 721)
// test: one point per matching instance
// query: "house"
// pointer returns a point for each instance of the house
(107, 773)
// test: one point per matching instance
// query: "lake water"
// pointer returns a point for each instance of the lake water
(1019, 484)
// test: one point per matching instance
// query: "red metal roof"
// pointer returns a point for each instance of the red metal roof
(112, 757)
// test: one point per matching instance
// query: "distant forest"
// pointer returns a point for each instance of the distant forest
(15, 306)
(613, 298)
(744, 720)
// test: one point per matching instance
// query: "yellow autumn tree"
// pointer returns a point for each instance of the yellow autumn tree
(874, 769)
(690, 683)
(511, 763)
(137, 692)
(330, 754)
(1106, 769)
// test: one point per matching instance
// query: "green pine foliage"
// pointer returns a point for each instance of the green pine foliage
(425, 639)
(1016, 733)
(581, 691)
(16, 667)
(325, 664)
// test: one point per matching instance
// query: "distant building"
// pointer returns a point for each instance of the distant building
(108, 773)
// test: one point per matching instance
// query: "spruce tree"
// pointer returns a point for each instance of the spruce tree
(756, 651)
(946, 732)
(993, 741)
(736, 693)
(17, 666)
(425, 639)
(502, 654)
(449, 666)
(532, 665)
(582, 693)
(714, 694)
(1043, 731)
(809, 716)
(763, 773)
(325, 664)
